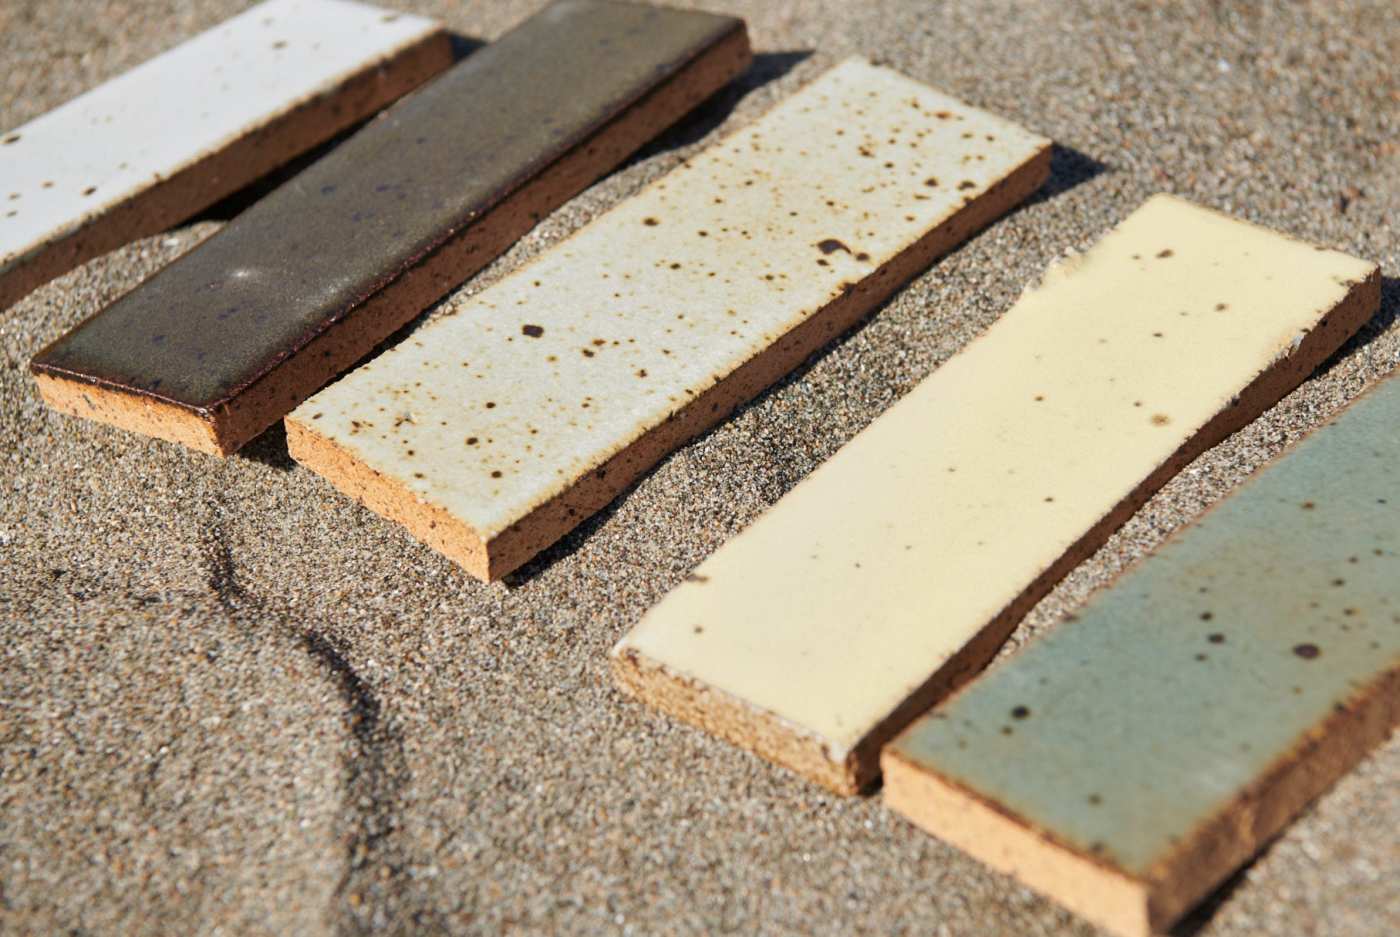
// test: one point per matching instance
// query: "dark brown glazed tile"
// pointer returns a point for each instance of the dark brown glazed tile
(225, 341)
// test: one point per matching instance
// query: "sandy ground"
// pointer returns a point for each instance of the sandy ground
(231, 701)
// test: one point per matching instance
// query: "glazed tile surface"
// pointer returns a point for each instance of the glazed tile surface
(505, 402)
(307, 255)
(1122, 731)
(500, 780)
(838, 604)
(104, 147)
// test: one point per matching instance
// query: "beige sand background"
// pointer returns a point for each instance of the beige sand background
(231, 701)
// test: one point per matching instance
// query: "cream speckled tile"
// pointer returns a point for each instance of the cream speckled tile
(492, 431)
(177, 133)
(895, 570)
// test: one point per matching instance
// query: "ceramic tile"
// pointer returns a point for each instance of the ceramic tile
(897, 568)
(1188, 711)
(215, 348)
(177, 133)
(501, 425)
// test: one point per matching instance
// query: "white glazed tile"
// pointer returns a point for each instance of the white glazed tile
(109, 145)
(513, 395)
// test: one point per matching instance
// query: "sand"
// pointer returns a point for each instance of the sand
(232, 701)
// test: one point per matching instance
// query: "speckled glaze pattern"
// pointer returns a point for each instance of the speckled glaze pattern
(104, 147)
(923, 535)
(1152, 709)
(504, 403)
(310, 253)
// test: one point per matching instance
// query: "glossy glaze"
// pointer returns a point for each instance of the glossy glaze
(309, 254)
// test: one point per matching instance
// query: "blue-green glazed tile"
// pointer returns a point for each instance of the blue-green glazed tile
(1148, 713)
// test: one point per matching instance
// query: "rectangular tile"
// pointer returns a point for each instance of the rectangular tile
(896, 569)
(1130, 760)
(498, 427)
(225, 341)
(174, 135)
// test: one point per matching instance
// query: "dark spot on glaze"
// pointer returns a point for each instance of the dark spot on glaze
(12, 138)
(1020, 712)
(1207, 616)
(1006, 730)
(1164, 254)
(1307, 651)
(1221, 307)
(696, 577)
(831, 246)
(1216, 638)
(1308, 505)
(966, 184)
(1095, 800)
(496, 473)
(931, 182)
(1160, 419)
(89, 190)
(534, 331)
(472, 440)
(642, 372)
(490, 404)
(650, 222)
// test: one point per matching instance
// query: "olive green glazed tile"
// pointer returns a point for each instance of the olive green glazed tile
(241, 329)
(1160, 736)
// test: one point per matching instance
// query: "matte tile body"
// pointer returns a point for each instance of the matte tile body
(1146, 748)
(896, 569)
(228, 339)
(175, 134)
(497, 428)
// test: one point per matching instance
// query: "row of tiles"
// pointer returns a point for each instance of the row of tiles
(868, 593)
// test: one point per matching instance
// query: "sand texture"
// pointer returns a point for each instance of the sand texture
(232, 700)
